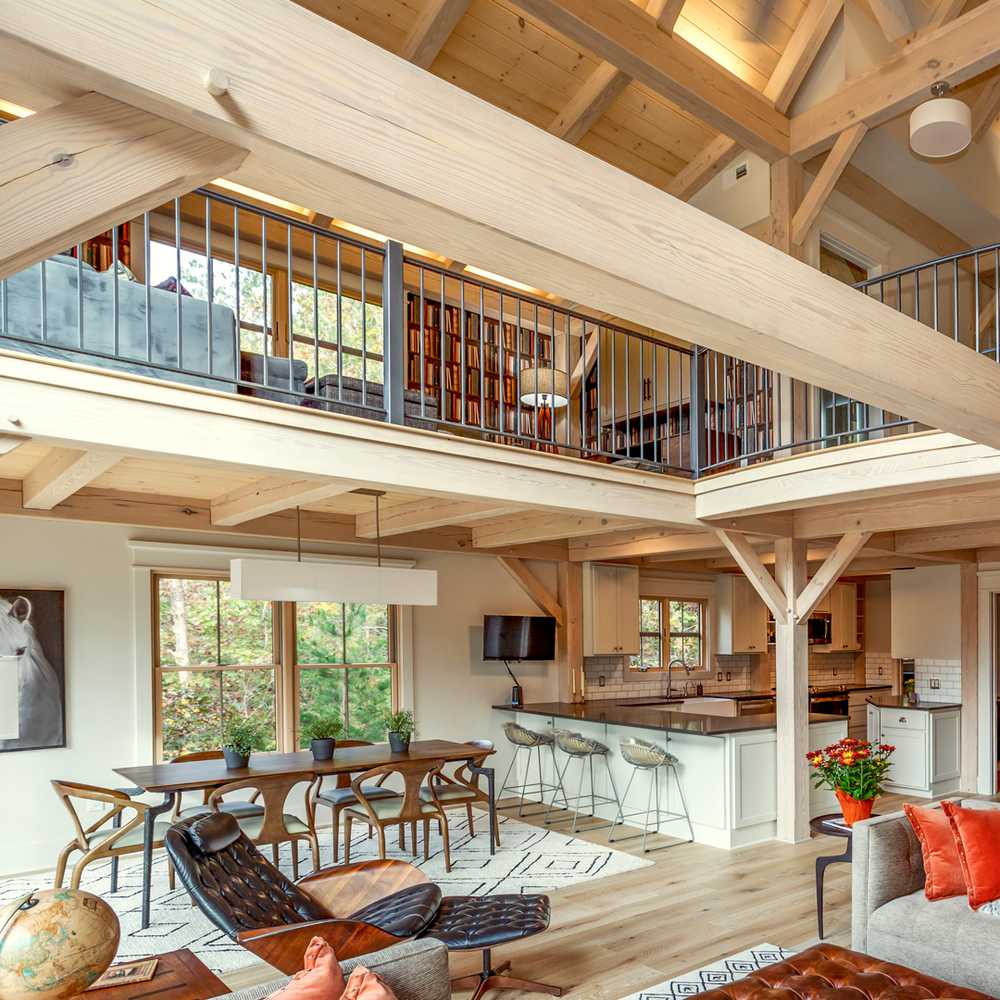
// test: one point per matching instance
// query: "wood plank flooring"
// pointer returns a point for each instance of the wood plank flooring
(615, 936)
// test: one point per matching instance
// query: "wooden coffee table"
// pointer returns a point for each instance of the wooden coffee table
(179, 976)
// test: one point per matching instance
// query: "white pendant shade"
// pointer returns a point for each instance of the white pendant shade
(289, 580)
(941, 127)
(544, 387)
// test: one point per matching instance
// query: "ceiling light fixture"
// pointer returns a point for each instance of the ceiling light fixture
(941, 126)
(348, 583)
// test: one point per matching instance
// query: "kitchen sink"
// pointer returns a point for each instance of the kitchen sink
(650, 702)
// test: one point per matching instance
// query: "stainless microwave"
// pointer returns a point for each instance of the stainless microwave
(820, 631)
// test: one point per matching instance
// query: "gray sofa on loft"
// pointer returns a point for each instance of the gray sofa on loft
(54, 284)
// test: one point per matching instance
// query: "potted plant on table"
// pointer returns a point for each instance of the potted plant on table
(240, 738)
(854, 769)
(322, 734)
(400, 727)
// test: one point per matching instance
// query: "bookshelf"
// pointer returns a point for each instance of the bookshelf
(488, 343)
(749, 405)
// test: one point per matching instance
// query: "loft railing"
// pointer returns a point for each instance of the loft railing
(212, 291)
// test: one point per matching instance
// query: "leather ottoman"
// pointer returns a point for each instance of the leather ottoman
(828, 972)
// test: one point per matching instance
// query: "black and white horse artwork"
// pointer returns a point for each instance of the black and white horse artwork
(32, 684)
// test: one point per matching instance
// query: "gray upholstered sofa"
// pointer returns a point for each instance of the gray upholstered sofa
(413, 970)
(892, 919)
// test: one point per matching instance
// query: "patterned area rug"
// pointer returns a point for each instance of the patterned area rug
(726, 970)
(529, 860)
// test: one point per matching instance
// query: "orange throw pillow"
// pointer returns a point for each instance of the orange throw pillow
(364, 984)
(977, 834)
(320, 978)
(942, 863)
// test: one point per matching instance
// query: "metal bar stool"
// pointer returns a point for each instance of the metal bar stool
(584, 749)
(646, 756)
(528, 740)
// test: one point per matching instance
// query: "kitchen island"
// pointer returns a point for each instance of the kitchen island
(727, 765)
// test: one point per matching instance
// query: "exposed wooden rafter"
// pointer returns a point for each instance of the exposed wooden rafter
(966, 47)
(710, 161)
(61, 473)
(945, 11)
(986, 108)
(56, 162)
(626, 36)
(272, 494)
(827, 575)
(426, 513)
(801, 51)
(543, 598)
(893, 18)
(748, 560)
(436, 22)
(539, 527)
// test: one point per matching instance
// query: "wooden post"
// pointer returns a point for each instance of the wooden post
(970, 677)
(792, 692)
(570, 633)
(787, 186)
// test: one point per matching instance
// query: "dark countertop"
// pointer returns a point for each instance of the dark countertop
(898, 701)
(613, 714)
(826, 688)
(748, 695)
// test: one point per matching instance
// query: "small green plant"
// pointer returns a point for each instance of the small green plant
(244, 736)
(324, 727)
(400, 722)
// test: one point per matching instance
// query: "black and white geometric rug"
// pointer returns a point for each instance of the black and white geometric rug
(529, 860)
(720, 973)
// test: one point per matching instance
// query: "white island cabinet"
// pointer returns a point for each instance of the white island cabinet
(729, 779)
(927, 759)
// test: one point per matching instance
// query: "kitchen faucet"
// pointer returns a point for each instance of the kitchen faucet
(670, 676)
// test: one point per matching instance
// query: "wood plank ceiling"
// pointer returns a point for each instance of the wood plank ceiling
(503, 56)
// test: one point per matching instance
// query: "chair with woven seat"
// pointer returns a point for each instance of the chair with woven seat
(461, 788)
(410, 808)
(583, 749)
(523, 741)
(273, 825)
(342, 796)
(357, 908)
(112, 835)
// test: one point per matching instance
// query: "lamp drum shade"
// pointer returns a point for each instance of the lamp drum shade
(941, 127)
(288, 580)
(544, 387)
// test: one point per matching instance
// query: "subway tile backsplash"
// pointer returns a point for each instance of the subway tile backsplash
(947, 673)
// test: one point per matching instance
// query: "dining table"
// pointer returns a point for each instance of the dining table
(171, 780)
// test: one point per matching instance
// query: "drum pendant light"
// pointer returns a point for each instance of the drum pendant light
(941, 126)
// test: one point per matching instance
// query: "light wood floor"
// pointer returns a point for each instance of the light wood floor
(617, 935)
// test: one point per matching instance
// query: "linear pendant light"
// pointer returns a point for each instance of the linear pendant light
(348, 583)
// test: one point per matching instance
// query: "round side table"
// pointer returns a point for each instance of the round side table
(829, 825)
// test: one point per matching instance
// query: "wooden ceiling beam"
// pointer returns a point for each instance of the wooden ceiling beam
(626, 36)
(986, 108)
(61, 473)
(945, 11)
(801, 51)
(273, 494)
(710, 161)
(948, 538)
(539, 527)
(956, 51)
(431, 30)
(893, 18)
(825, 181)
(540, 595)
(631, 543)
(756, 572)
(76, 170)
(426, 513)
(8, 442)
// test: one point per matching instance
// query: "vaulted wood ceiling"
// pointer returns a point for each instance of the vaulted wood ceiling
(502, 55)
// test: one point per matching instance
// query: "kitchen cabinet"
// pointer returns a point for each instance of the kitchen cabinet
(857, 715)
(610, 609)
(927, 759)
(842, 604)
(741, 617)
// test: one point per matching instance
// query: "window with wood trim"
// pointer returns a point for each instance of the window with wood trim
(671, 628)
(280, 664)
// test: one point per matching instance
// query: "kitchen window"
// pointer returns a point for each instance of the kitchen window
(671, 628)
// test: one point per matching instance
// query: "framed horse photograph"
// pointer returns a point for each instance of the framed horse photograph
(32, 669)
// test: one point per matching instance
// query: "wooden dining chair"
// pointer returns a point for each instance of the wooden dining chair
(461, 787)
(112, 835)
(275, 826)
(410, 808)
(240, 809)
(338, 798)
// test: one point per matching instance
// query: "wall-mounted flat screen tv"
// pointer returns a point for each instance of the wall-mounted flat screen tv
(519, 637)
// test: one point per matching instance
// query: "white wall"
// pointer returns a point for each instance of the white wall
(453, 687)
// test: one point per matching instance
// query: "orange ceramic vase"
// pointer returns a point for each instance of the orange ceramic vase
(853, 809)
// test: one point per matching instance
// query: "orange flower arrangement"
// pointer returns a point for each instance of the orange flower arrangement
(854, 769)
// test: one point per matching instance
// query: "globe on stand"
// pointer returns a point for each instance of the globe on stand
(54, 944)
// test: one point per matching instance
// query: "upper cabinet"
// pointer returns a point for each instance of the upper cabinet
(610, 609)
(741, 617)
(842, 604)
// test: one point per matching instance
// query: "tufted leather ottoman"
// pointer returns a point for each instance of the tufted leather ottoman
(827, 972)
(479, 923)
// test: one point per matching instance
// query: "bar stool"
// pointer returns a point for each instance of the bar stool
(648, 757)
(576, 746)
(528, 740)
